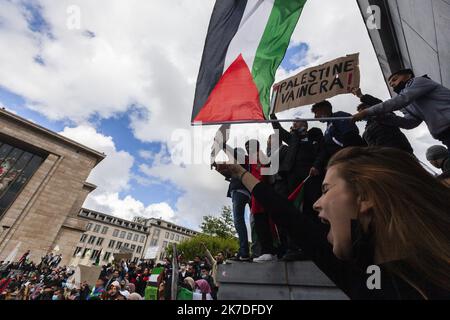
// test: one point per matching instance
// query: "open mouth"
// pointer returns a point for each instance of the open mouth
(325, 221)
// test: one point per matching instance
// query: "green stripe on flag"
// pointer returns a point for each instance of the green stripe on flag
(273, 46)
(299, 199)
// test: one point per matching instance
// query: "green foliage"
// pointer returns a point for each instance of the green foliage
(193, 247)
(222, 227)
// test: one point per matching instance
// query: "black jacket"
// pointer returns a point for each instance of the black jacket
(339, 134)
(350, 277)
(378, 133)
(301, 153)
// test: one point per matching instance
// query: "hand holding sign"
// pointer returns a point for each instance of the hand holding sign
(357, 92)
(316, 84)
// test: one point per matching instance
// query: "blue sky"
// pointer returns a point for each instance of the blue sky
(88, 82)
(117, 126)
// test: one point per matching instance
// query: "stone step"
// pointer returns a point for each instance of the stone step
(276, 281)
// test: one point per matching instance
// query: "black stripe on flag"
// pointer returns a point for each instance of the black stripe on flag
(224, 24)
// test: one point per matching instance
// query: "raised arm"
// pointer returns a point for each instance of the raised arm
(283, 133)
(407, 122)
(419, 87)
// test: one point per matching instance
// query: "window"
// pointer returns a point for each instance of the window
(119, 245)
(129, 236)
(84, 252)
(133, 247)
(136, 237)
(171, 236)
(122, 235)
(116, 232)
(111, 244)
(142, 239)
(167, 235)
(156, 233)
(83, 237)
(97, 228)
(104, 230)
(161, 256)
(91, 239)
(89, 226)
(126, 245)
(16, 168)
(95, 255)
(139, 249)
(177, 238)
(100, 241)
(106, 256)
(154, 242)
(77, 250)
(135, 260)
(165, 244)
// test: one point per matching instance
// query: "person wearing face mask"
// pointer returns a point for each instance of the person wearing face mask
(383, 211)
(208, 278)
(296, 161)
(302, 150)
(439, 157)
(420, 99)
(183, 273)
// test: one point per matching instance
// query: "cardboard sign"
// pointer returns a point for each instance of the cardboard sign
(151, 253)
(316, 84)
(82, 274)
(123, 256)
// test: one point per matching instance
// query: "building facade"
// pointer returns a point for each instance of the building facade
(145, 239)
(107, 235)
(410, 34)
(162, 234)
(42, 188)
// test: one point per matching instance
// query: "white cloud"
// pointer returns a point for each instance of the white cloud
(113, 176)
(128, 207)
(147, 54)
(113, 173)
(145, 154)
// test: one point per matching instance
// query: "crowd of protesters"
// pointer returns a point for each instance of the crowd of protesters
(365, 199)
(124, 280)
(344, 200)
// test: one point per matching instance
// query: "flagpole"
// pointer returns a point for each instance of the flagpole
(269, 121)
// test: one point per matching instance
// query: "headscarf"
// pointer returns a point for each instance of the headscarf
(134, 296)
(190, 282)
(131, 287)
(203, 285)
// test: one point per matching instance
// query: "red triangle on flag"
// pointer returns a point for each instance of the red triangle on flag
(234, 98)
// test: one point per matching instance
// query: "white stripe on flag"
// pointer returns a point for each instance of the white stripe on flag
(247, 39)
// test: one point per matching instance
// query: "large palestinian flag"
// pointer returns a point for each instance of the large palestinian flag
(246, 43)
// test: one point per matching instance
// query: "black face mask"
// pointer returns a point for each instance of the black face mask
(400, 87)
(362, 244)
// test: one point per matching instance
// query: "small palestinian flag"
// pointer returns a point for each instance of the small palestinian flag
(297, 196)
(153, 279)
(246, 42)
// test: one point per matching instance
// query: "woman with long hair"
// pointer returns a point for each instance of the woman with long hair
(389, 225)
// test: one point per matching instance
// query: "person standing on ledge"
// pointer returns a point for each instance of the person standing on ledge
(421, 100)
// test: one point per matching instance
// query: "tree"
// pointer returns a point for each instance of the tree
(222, 227)
(193, 247)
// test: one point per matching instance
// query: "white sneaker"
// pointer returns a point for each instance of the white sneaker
(265, 258)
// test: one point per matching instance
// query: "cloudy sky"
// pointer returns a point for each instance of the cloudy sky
(123, 81)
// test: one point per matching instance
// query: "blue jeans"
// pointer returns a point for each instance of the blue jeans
(239, 201)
